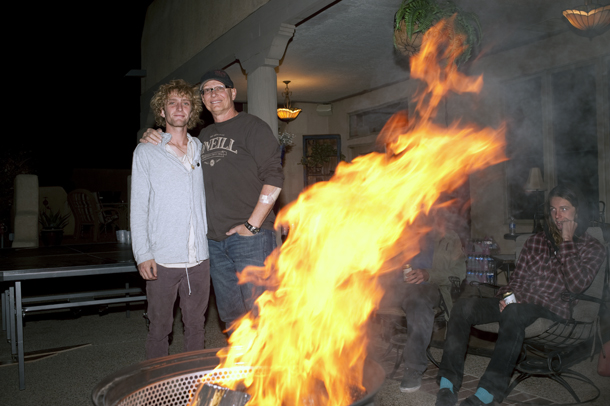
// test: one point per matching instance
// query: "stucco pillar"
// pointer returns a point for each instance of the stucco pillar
(25, 209)
(262, 95)
(259, 59)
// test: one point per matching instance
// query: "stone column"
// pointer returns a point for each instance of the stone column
(259, 59)
(262, 95)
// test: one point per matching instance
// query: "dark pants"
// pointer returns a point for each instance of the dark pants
(161, 295)
(513, 320)
(418, 304)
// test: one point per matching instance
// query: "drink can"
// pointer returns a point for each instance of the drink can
(509, 297)
(405, 271)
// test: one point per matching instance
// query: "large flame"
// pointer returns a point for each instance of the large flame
(308, 333)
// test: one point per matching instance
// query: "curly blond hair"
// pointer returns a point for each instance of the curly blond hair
(181, 88)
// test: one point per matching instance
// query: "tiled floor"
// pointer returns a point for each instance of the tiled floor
(470, 382)
(469, 386)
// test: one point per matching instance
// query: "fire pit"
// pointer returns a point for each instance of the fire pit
(171, 381)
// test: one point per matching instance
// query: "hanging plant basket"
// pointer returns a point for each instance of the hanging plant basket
(405, 45)
(415, 17)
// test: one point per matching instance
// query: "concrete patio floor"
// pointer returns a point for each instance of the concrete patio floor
(112, 341)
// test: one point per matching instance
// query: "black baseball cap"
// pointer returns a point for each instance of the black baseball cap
(218, 75)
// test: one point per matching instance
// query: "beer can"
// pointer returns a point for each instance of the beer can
(509, 297)
(405, 271)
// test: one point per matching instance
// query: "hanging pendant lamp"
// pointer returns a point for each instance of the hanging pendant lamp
(588, 17)
(287, 114)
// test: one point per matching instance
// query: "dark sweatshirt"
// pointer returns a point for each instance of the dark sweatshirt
(239, 156)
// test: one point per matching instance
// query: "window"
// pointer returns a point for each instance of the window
(321, 155)
(552, 125)
(523, 143)
(575, 129)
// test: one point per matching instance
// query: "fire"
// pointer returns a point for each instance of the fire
(308, 335)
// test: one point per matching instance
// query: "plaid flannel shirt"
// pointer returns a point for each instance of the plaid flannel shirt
(542, 278)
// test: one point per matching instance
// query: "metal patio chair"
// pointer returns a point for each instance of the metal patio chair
(88, 211)
(551, 349)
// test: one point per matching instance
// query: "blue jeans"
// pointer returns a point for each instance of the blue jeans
(227, 258)
(513, 320)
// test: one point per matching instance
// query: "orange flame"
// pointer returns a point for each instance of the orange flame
(308, 337)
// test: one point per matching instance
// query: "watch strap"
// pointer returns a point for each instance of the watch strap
(251, 228)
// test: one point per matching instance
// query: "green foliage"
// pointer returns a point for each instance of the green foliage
(320, 154)
(420, 15)
(465, 23)
(53, 221)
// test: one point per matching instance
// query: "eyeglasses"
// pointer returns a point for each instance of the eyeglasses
(210, 90)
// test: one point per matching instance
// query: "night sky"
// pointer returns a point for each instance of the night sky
(86, 112)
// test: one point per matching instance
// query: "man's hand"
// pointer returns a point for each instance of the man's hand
(241, 230)
(152, 136)
(567, 230)
(148, 270)
(503, 304)
(417, 276)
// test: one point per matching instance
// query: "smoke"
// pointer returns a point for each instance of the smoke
(546, 80)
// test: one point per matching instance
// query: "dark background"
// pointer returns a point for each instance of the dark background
(69, 104)
(83, 111)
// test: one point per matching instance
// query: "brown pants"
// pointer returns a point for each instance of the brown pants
(161, 295)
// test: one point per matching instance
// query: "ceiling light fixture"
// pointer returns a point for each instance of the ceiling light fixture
(589, 16)
(286, 113)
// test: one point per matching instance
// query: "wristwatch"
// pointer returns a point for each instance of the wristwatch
(251, 228)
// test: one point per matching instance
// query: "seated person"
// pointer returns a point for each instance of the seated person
(441, 256)
(562, 259)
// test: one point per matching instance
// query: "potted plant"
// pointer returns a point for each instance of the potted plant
(52, 227)
(415, 17)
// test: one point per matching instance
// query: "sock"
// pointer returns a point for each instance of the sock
(446, 383)
(484, 396)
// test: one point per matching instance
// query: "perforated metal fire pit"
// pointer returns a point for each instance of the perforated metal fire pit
(171, 381)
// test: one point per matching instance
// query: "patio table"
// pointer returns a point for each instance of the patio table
(21, 265)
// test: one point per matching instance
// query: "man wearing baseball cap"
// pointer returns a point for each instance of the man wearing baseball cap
(243, 177)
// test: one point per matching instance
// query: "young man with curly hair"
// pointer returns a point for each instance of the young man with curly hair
(243, 178)
(168, 221)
